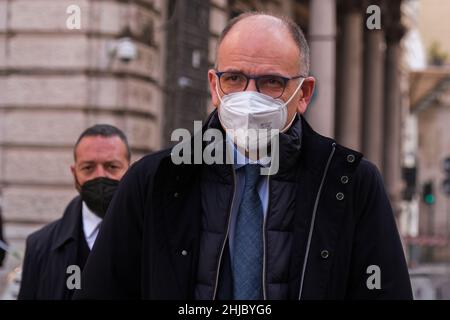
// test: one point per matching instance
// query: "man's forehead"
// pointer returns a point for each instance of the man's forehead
(260, 21)
(256, 40)
(99, 146)
(258, 26)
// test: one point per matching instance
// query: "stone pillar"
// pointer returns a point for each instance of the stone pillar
(322, 39)
(373, 94)
(349, 78)
(392, 112)
(287, 8)
(187, 40)
(218, 18)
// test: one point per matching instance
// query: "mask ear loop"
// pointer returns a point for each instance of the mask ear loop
(227, 136)
(217, 90)
(290, 99)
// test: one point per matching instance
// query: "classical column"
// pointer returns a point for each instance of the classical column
(322, 40)
(373, 96)
(392, 112)
(349, 78)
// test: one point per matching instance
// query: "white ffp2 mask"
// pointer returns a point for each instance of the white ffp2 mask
(250, 110)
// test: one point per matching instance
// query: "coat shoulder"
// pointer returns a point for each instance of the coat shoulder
(368, 173)
(47, 236)
(41, 240)
(147, 165)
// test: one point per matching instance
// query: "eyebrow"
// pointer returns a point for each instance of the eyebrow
(232, 70)
(265, 74)
(86, 162)
(94, 162)
(113, 162)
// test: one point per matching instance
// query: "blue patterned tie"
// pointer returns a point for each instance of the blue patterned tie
(248, 241)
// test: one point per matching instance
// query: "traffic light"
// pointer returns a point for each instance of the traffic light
(428, 193)
(446, 185)
(409, 176)
(446, 182)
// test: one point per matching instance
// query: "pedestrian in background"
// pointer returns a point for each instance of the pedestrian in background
(101, 158)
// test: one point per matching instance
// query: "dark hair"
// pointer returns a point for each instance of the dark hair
(294, 29)
(106, 131)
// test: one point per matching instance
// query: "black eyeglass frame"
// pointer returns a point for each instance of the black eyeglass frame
(256, 78)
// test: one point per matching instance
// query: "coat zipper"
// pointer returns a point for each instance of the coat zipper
(264, 243)
(311, 229)
(226, 237)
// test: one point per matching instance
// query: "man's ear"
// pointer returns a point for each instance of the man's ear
(75, 181)
(212, 78)
(307, 91)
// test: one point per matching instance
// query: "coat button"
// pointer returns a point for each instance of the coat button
(340, 196)
(325, 254)
(184, 253)
(351, 158)
(344, 179)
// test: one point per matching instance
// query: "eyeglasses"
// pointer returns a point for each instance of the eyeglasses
(271, 85)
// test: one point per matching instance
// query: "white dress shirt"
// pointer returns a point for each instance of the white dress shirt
(91, 225)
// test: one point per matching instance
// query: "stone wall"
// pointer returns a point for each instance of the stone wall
(55, 82)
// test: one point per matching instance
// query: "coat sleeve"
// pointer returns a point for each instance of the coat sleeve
(113, 269)
(378, 266)
(30, 271)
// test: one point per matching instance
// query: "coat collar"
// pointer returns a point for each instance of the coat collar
(317, 148)
(300, 144)
(289, 146)
(69, 226)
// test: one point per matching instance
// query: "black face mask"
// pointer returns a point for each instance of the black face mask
(98, 193)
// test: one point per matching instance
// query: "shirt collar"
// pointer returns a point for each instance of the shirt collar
(241, 160)
(91, 221)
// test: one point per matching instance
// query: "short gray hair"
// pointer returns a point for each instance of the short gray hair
(294, 29)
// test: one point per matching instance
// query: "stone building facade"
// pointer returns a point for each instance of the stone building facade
(430, 102)
(55, 82)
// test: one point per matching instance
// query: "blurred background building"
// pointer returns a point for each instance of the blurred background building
(383, 88)
(427, 146)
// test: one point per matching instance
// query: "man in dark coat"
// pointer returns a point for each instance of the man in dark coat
(318, 227)
(56, 254)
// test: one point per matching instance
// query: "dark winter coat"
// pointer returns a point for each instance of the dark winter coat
(329, 223)
(49, 252)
